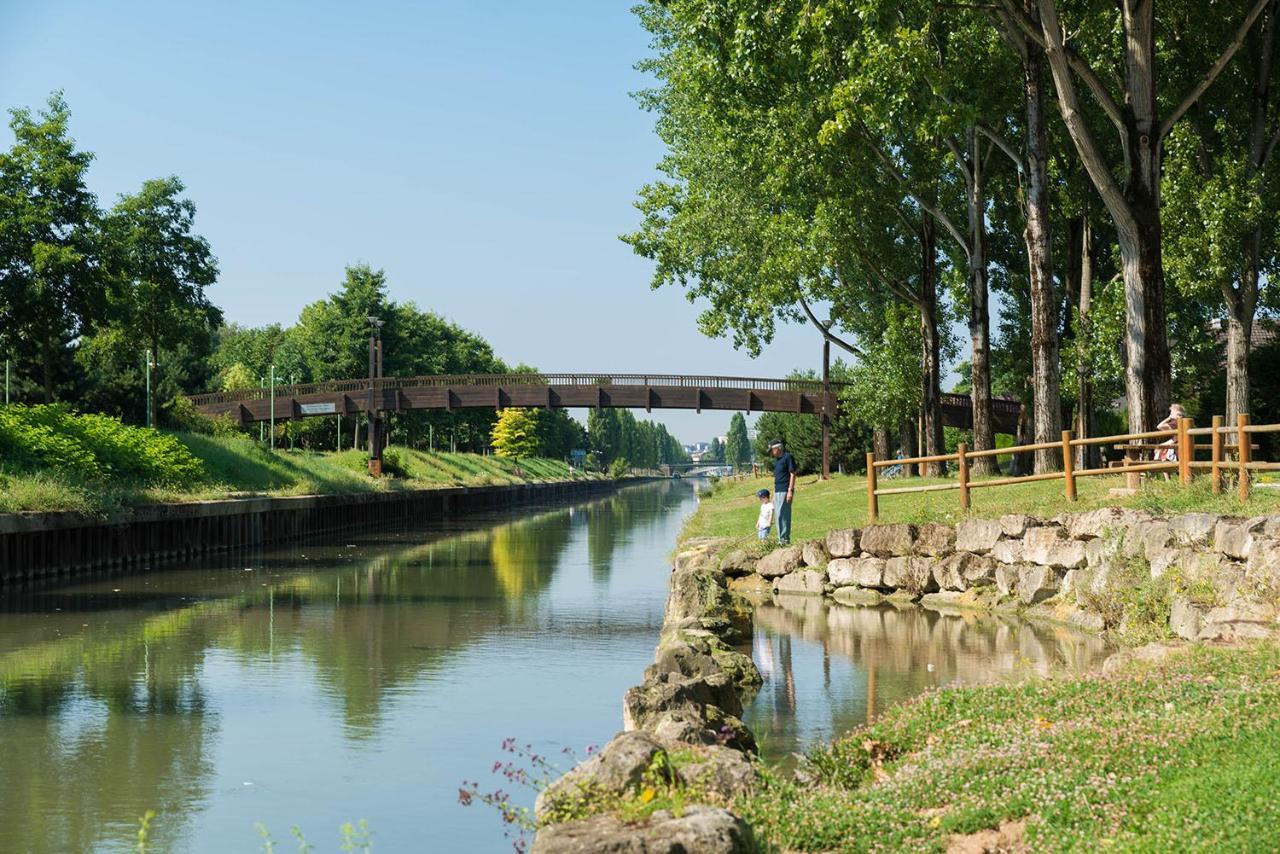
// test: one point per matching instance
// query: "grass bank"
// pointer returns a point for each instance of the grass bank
(235, 466)
(1182, 754)
(820, 506)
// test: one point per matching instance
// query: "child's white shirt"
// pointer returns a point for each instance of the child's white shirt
(766, 516)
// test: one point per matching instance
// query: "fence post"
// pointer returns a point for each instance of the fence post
(873, 506)
(1186, 447)
(1244, 452)
(1217, 455)
(1068, 472)
(962, 467)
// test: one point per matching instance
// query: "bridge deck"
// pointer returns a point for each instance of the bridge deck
(495, 391)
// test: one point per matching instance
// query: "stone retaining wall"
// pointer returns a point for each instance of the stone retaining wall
(1227, 570)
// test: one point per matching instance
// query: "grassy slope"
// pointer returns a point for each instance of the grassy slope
(236, 465)
(1182, 755)
(842, 503)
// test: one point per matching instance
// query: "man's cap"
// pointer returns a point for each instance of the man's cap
(776, 443)
(762, 493)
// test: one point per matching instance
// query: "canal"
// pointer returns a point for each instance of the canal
(370, 676)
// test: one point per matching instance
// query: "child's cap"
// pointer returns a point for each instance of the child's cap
(763, 493)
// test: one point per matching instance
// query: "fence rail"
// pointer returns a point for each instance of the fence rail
(1181, 441)
(438, 381)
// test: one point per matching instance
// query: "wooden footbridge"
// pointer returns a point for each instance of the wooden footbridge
(497, 391)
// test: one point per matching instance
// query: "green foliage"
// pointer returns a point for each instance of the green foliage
(515, 434)
(94, 447)
(737, 445)
(615, 434)
(619, 468)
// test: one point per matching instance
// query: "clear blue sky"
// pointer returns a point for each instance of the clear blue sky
(484, 153)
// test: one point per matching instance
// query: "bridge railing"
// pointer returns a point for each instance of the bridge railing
(439, 381)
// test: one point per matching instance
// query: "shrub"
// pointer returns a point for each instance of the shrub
(619, 468)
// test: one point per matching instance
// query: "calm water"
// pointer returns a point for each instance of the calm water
(368, 677)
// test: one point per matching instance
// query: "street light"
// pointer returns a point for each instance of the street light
(375, 371)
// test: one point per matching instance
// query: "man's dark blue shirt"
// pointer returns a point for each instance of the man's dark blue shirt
(783, 468)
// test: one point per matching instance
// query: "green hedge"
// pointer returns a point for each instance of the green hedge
(93, 447)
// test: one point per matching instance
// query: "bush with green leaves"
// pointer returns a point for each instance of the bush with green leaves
(93, 447)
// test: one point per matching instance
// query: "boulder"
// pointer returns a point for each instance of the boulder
(911, 575)
(1047, 547)
(1037, 583)
(888, 540)
(619, 768)
(964, 570)
(750, 585)
(935, 540)
(808, 582)
(977, 535)
(737, 563)
(780, 562)
(1007, 577)
(694, 593)
(1186, 619)
(842, 542)
(1193, 529)
(700, 829)
(1097, 523)
(681, 726)
(719, 771)
(814, 553)
(1234, 537)
(1098, 551)
(1090, 621)
(669, 692)
(1016, 524)
(1262, 569)
(1238, 620)
(857, 596)
(860, 571)
(1007, 551)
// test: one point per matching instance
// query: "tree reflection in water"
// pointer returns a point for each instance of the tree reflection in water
(831, 667)
(103, 710)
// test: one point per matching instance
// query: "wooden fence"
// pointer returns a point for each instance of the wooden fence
(1135, 444)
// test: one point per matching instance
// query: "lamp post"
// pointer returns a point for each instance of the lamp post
(272, 429)
(375, 371)
(826, 402)
(147, 365)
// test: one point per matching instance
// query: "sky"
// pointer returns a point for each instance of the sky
(484, 153)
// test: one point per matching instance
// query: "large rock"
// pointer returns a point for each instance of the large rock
(1047, 547)
(935, 540)
(888, 540)
(1234, 537)
(814, 554)
(681, 726)
(964, 570)
(619, 768)
(693, 653)
(1007, 551)
(1016, 524)
(1007, 575)
(1193, 529)
(750, 585)
(859, 571)
(977, 535)
(1239, 620)
(737, 563)
(842, 542)
(1263, 567)
(808, 582)
(1186, 619)
(694, 593)
(911, 575)
(1098, 523)
(719, 771)
(1037, 583)
(698, 830)
(780, 562)
(670, 692)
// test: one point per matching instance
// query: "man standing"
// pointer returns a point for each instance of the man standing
(784, 488)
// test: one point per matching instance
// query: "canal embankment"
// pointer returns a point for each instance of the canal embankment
(1180, 725)
(60, 546)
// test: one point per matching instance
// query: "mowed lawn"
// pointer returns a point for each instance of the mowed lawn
(820, 506)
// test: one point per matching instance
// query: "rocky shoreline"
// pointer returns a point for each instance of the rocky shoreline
(1220, 578)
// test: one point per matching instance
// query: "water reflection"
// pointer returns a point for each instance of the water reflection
(324, 681)
(831, 667)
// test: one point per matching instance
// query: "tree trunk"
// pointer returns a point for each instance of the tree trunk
(1080, 286)
(1045, 368)
(907, 447)
(1147, 368)
(979, 312)
(931, 355)
(880, 443)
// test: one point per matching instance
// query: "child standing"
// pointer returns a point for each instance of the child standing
(765, 520)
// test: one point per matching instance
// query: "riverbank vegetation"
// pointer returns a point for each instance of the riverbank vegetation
(841, 502)
(1182, 753)
(54, 459)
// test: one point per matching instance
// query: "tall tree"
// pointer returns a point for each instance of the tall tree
(515, 433)
(50, 279)
(159, 270)
(1142, 123)
(737, 446)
